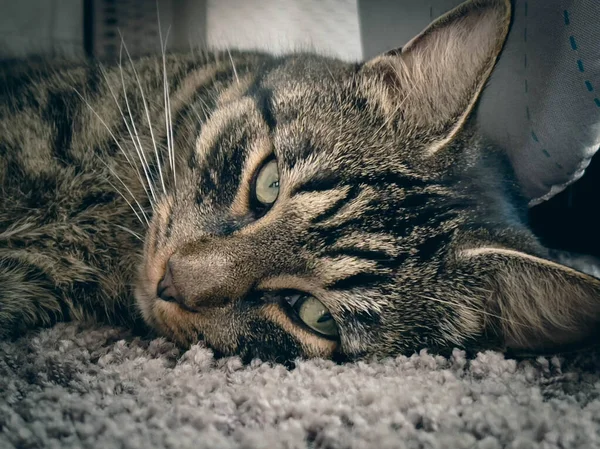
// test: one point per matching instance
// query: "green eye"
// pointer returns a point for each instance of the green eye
(314, 314)
(266, 188)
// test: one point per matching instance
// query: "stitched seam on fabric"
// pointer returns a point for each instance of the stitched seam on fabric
(580, 66)
(534, 136)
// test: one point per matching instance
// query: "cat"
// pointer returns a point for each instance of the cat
(279, 207)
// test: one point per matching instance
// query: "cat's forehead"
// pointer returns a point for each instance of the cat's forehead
(311, 113)
(307, 70)
(297, 98)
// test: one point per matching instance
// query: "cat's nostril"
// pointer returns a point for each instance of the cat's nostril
(166, 289)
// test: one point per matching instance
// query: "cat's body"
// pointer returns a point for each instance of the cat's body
(66, 253)
(391, 212)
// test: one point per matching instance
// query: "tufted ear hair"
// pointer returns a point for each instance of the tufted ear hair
(540, 305)
(434, 81)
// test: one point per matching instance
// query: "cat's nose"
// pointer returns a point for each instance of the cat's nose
(166, 289)
(205, 278)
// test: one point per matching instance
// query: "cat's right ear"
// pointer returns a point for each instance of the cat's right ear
(433, 83)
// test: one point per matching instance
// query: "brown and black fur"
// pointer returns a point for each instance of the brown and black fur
(392, 211)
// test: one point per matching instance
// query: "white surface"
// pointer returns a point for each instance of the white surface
(330, 27)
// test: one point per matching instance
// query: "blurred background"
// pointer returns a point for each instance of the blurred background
(349, 29)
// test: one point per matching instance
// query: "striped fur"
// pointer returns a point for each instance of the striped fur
(391, 211)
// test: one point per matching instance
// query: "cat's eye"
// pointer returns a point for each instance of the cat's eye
(313, 314)
(266, 186)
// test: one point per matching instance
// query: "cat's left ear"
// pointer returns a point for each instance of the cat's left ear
(434, 81)
(534, 304)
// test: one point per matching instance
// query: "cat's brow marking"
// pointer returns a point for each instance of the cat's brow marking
(212, 130)
(384, 243)
(311, 204)
(236, 91)
(333, 269)
(353, 208)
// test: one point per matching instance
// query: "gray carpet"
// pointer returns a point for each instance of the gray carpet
(72, 387)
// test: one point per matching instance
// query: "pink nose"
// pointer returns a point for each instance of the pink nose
(166, 289)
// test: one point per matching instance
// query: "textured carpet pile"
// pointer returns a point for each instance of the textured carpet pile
(84, 387)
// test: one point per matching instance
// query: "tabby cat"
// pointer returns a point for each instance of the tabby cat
(279, 207)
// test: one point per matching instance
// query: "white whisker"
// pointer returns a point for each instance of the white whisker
(197, 114)
(114, 187)
(167, 98)
(145, 103)
(132, 232)
(233, 66)
(116, 175)
(125, 198)
(205, 108)
(131, 205)
(132, 164)
(120, 148)
(139, 149)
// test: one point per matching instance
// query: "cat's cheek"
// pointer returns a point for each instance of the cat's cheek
(175, 323)
(214, 326)
(145, 295)
(144, 305)
(149, 274)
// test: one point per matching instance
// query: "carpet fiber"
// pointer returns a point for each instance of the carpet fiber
(73, 386)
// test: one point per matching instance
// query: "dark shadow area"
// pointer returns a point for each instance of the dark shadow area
(571, 220)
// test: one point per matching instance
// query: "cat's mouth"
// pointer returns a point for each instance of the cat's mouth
(273, 321)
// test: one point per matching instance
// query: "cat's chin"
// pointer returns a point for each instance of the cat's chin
(144, 303)
(153, 312)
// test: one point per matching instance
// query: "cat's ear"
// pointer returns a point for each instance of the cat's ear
(534, 303)
(434, 81)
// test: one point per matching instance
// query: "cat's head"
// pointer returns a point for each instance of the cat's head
(327, 209)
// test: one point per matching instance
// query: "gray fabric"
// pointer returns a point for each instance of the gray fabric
(72, 387)
(542, 103)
